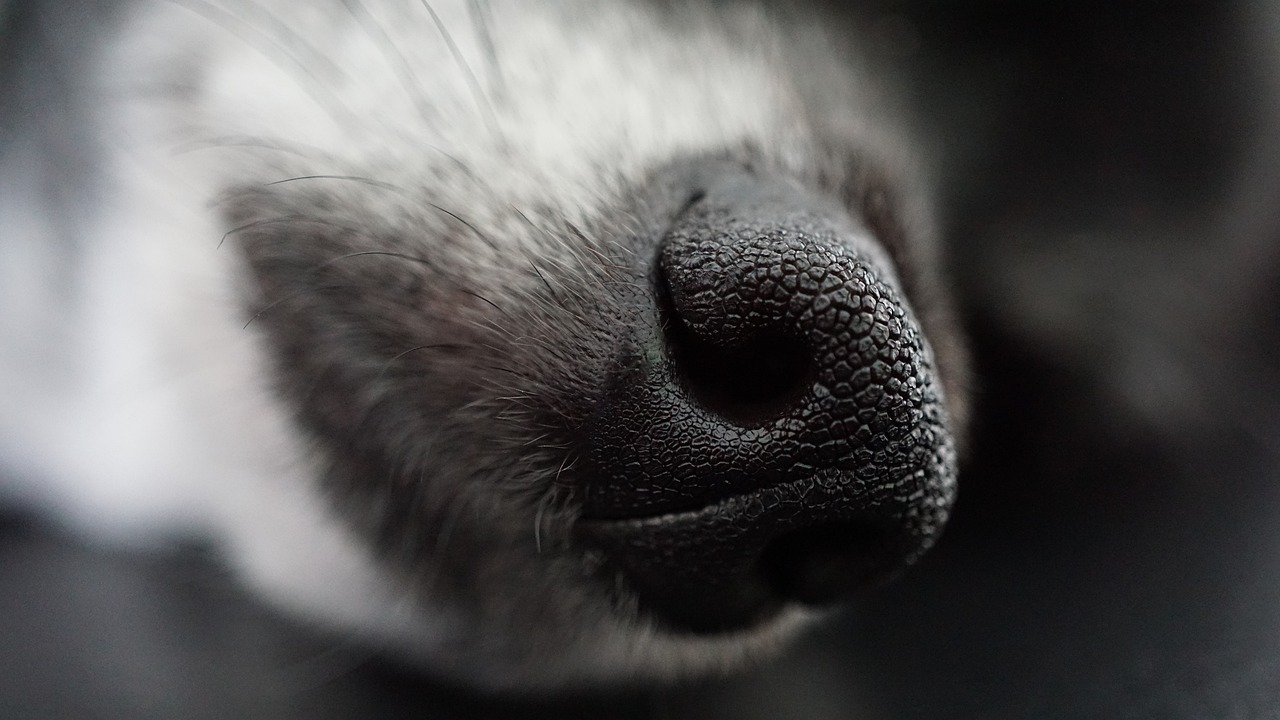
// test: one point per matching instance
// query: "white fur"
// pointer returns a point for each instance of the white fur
(142, 409)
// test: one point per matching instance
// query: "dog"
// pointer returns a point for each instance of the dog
(543, 343)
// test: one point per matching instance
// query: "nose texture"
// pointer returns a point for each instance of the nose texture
(785, 439)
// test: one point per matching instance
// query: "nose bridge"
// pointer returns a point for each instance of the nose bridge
(737, 206)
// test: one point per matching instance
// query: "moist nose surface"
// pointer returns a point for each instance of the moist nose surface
(789, 443)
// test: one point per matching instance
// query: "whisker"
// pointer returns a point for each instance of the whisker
(481, 236)
(393, 55)
(402, 191)
(537, 526)
(569, 462)
(286, 298)
(289, 38)
(374, 253)
(435, 346)
(352, 178)
(485, 299)
(482, 100)
(298, 293)
(466, 170)
(570, 272)
(542, 277)
(253, 142)
(285, 220)
(260, 223)
(304, 219)
(271, 48)
(482, 21)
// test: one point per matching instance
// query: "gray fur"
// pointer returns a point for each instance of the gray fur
(439, 341)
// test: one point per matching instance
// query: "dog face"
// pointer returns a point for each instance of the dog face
(593, 339)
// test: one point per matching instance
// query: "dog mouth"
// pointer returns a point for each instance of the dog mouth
(736, 563)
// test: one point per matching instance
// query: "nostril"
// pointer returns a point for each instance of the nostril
(788, 443)
(824, 565)
(749, 383)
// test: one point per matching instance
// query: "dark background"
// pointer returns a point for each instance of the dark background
(1109, 190)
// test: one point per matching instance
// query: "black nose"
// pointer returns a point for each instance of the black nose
(784, 439)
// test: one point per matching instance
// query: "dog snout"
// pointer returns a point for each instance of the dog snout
(783, 439)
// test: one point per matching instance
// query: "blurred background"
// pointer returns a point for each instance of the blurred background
(1109, 183)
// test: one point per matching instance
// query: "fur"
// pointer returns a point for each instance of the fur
(331, 283)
